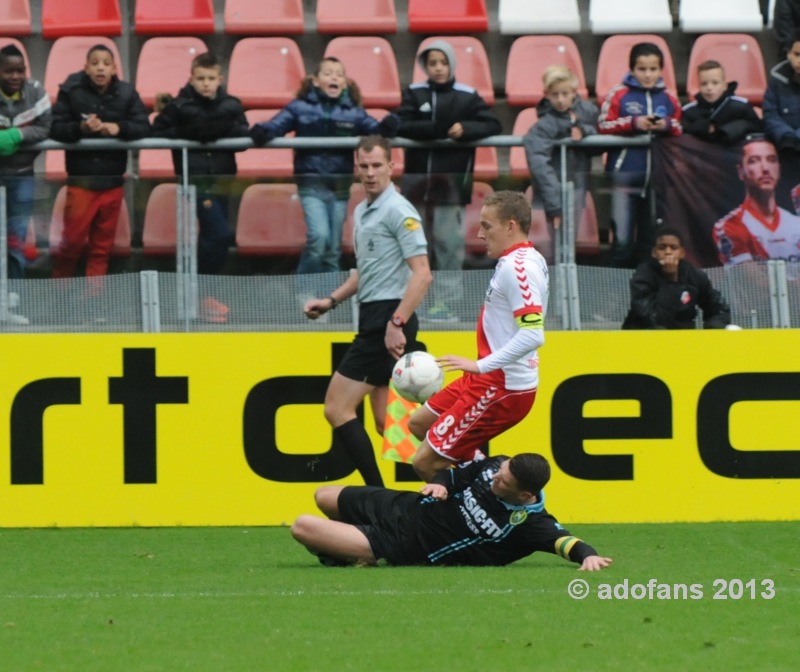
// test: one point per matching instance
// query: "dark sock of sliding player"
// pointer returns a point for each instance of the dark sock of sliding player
(355, 441)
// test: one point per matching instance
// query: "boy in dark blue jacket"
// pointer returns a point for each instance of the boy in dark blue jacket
(204, 111)
(639, 105)
(327, 105)
(782, 118)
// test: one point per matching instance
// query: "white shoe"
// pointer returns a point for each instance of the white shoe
(13, 318)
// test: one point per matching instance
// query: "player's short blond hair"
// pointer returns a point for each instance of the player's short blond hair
(558, 74)
(510, 205)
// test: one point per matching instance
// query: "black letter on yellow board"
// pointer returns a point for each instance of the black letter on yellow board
(140, 390)
(27, 425)
(569, 427)
(713, 425)
(260, 436)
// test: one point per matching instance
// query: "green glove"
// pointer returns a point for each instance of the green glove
(10, 139)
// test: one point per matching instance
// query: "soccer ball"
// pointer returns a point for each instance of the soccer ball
(417, 376)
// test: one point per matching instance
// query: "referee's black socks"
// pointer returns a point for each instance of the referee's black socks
(355, 441)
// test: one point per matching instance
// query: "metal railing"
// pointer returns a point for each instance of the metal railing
(566, 294)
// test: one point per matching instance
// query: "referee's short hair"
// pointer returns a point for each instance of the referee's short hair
(367, 143)
(510, 205)
(531, 470)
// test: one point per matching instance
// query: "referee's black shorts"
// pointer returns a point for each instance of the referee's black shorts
(367, 360)
(388, 520)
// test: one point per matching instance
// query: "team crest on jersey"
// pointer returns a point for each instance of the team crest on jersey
(725, 246)
(518, 517)
(685, 297)
(411, 224)
(634, 107)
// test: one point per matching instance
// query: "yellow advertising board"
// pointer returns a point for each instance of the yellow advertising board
(227, 429)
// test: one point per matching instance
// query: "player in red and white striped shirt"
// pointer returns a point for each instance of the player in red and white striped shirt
(498, 389)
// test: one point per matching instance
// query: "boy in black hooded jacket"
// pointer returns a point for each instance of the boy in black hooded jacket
(438, 182)
(716, 114)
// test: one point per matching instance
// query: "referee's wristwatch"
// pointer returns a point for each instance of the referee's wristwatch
(398, 321)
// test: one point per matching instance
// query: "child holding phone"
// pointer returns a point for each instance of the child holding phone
(640, 104)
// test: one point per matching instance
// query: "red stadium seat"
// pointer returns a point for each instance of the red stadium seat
(55, 165)
(473, 245)
(122, 238)
(740, 55)
(530, 56)
(165, 65)
(371, 63)
(257, 17)
(612, 63)
(154, 163)
(539, 233)
(15, 18)
(265, 72)
(472, 64)
(271, 221)
(265, 162)
(174, 17)
(5, 41)
(160, 231)
(356, 17)
(518, 163)
(487, 168)
(447, 16)
(587, 238)
(87, 17)
(68, 55)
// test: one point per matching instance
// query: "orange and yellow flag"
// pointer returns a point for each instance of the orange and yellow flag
(399, 444)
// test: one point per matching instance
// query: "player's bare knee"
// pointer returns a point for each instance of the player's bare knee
(301, 528)
(327, 499)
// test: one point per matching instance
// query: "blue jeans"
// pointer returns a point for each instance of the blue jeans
(215, 238)
(630, 220)
(325, 216)
(19, 206)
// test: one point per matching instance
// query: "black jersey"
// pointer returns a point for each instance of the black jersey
(474, 527)
(471, 527)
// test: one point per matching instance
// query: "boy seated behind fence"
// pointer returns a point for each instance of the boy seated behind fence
(561, 114)
(716, 114)
(666, 290)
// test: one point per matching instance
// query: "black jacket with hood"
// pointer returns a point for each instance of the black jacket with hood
(732, 117)
(427, 111)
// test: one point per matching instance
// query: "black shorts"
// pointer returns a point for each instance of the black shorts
(388, 520)
(367, 360)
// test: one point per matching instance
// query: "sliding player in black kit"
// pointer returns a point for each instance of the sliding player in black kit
(489, 512)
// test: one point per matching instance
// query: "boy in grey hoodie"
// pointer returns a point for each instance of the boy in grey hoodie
(561, 114)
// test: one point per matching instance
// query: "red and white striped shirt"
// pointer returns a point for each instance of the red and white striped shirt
(511, 324)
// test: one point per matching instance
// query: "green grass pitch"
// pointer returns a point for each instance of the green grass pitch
(241, 599)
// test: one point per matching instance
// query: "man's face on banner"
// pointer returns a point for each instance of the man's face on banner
(759, 168)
